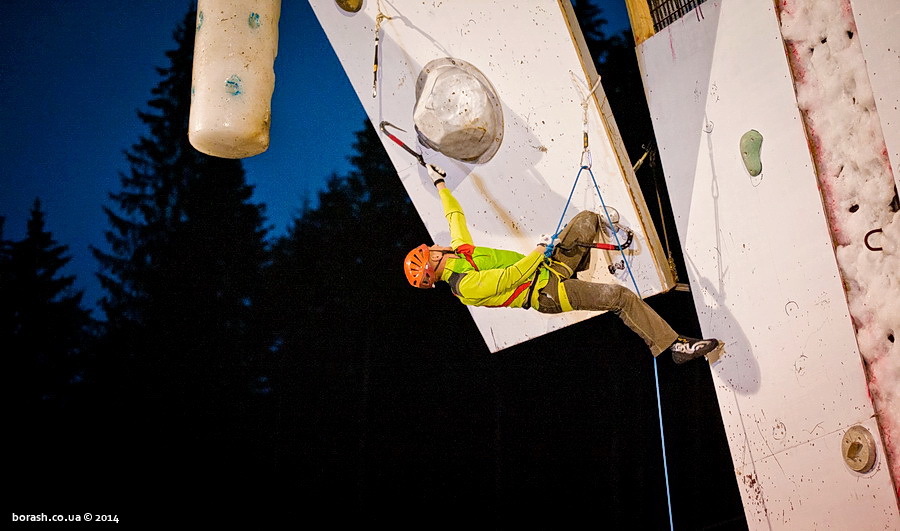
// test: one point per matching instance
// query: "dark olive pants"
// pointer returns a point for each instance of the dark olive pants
(570, 258)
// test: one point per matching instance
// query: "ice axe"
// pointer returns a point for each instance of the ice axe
(606, 246)
(385, 124)
(612, 247)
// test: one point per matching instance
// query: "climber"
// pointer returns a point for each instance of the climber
(481, 276)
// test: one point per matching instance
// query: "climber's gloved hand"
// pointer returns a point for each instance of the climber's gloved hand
(437, 175)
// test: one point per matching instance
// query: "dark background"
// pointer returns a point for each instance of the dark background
(230, 375)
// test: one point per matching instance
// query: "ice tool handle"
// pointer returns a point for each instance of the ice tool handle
(385, 124)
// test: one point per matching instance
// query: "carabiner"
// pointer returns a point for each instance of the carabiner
(586, 154)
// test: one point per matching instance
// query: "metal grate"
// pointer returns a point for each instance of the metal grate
(665, 12)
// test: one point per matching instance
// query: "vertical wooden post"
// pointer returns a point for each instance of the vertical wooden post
(641, 21)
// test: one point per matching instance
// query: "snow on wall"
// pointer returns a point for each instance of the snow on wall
(842, 121)
(533, 55)
(763, 270)
(877, 21)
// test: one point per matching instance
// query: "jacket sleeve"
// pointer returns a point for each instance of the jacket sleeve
(493, 282)
(456, 219)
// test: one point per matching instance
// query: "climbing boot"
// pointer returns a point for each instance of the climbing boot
(687, 348)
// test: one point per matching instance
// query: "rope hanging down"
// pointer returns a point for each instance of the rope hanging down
(586, 163)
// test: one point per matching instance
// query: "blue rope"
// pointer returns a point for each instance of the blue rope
(662, 436)
(549, 250)
(615, 232)
(559, 225)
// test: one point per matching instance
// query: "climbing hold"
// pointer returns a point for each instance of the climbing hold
(751, 145)
(866, 240)
(858, 449)
(350, 6)
(457, 111)
(233, 77)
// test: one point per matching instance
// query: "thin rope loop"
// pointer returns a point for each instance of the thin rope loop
(559, 225)
(586, 150)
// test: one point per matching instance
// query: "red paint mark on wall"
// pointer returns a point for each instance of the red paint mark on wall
(671, 44)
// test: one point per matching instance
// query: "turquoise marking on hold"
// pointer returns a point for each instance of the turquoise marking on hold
(199, 20)
(233, 85)
(253, 21)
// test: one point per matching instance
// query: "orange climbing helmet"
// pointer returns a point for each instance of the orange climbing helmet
(418, 271)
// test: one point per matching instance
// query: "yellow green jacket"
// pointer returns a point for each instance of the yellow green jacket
(494, 277)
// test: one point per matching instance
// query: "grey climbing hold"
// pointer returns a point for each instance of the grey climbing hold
(457, 111)
(751, 145)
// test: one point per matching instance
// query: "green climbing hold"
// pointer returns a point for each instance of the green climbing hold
(751, 145)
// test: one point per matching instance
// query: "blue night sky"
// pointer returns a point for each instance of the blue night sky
(75, 73)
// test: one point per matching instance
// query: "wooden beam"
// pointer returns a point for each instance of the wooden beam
(641, 21)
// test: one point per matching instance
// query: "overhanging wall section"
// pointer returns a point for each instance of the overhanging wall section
(533, 55)
(762, 269)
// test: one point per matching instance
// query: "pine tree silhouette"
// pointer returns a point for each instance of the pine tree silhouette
(45, 334)
(43, 327)
(183, 278)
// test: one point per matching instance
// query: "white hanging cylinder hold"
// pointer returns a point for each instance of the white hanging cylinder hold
(233, 76)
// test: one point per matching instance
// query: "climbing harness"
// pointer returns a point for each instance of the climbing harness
(585, 165)
(466, 250)
(384, 125)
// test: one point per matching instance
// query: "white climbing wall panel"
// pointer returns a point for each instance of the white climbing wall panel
(763, 271)
(532, 54)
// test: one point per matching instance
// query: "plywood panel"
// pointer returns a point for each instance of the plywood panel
(780, 484)
(762, 267)
(533, 56)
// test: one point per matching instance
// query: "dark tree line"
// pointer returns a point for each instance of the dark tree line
(239, 376)
(43, 326)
